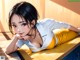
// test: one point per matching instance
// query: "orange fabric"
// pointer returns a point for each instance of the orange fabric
(65, 35)
(52, 44)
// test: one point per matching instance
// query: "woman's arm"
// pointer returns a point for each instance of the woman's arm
(12, 46)
(75, 29)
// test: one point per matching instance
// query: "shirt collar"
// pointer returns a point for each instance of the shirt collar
(41, 29)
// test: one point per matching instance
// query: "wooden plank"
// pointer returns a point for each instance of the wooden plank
(3, 45)
(53, 54)
(5, 35)
(58, 52)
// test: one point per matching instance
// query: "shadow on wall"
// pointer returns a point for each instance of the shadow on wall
(4, 33)
(1, 27)
(74, 6)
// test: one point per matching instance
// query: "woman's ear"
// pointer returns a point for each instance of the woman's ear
(33, 23)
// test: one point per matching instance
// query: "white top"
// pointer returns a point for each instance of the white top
(45, 28)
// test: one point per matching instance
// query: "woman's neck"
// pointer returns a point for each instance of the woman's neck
(36, 38)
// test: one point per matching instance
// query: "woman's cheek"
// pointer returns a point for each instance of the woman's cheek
(26, 29)
(14, 30)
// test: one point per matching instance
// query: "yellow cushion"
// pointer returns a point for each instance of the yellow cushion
(64, 35)
(52, 44)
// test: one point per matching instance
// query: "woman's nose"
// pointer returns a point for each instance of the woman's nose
(19, 30)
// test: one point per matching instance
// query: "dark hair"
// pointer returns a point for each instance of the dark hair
(24, 10)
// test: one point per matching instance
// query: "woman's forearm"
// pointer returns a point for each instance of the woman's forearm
(12, 46)
(74, 29)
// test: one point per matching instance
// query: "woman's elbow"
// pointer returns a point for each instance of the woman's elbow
(7, 52)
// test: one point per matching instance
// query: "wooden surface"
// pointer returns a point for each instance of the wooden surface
(56, 53)
(3, 45)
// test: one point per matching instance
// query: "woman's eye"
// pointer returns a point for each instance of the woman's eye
(24, 24)
(14, 25)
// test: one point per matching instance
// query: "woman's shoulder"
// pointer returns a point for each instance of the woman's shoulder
(46, 20)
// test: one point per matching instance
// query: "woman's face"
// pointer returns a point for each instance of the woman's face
(20, 26)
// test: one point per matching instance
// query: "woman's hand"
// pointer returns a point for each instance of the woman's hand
(79, 30)
(17, 37)
(26, 37)
(75, 29)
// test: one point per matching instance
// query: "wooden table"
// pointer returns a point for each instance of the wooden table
(3, 55)
(59, 52)
(56, 53)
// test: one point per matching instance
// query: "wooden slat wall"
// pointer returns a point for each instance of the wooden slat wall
(2, 15)
(63, 10)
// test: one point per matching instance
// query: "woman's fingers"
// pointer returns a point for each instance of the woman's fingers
(18, 36)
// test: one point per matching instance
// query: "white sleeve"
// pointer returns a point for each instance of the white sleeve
(19, 43)
(52, 24)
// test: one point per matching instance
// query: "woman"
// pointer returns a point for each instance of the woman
(37, 35)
